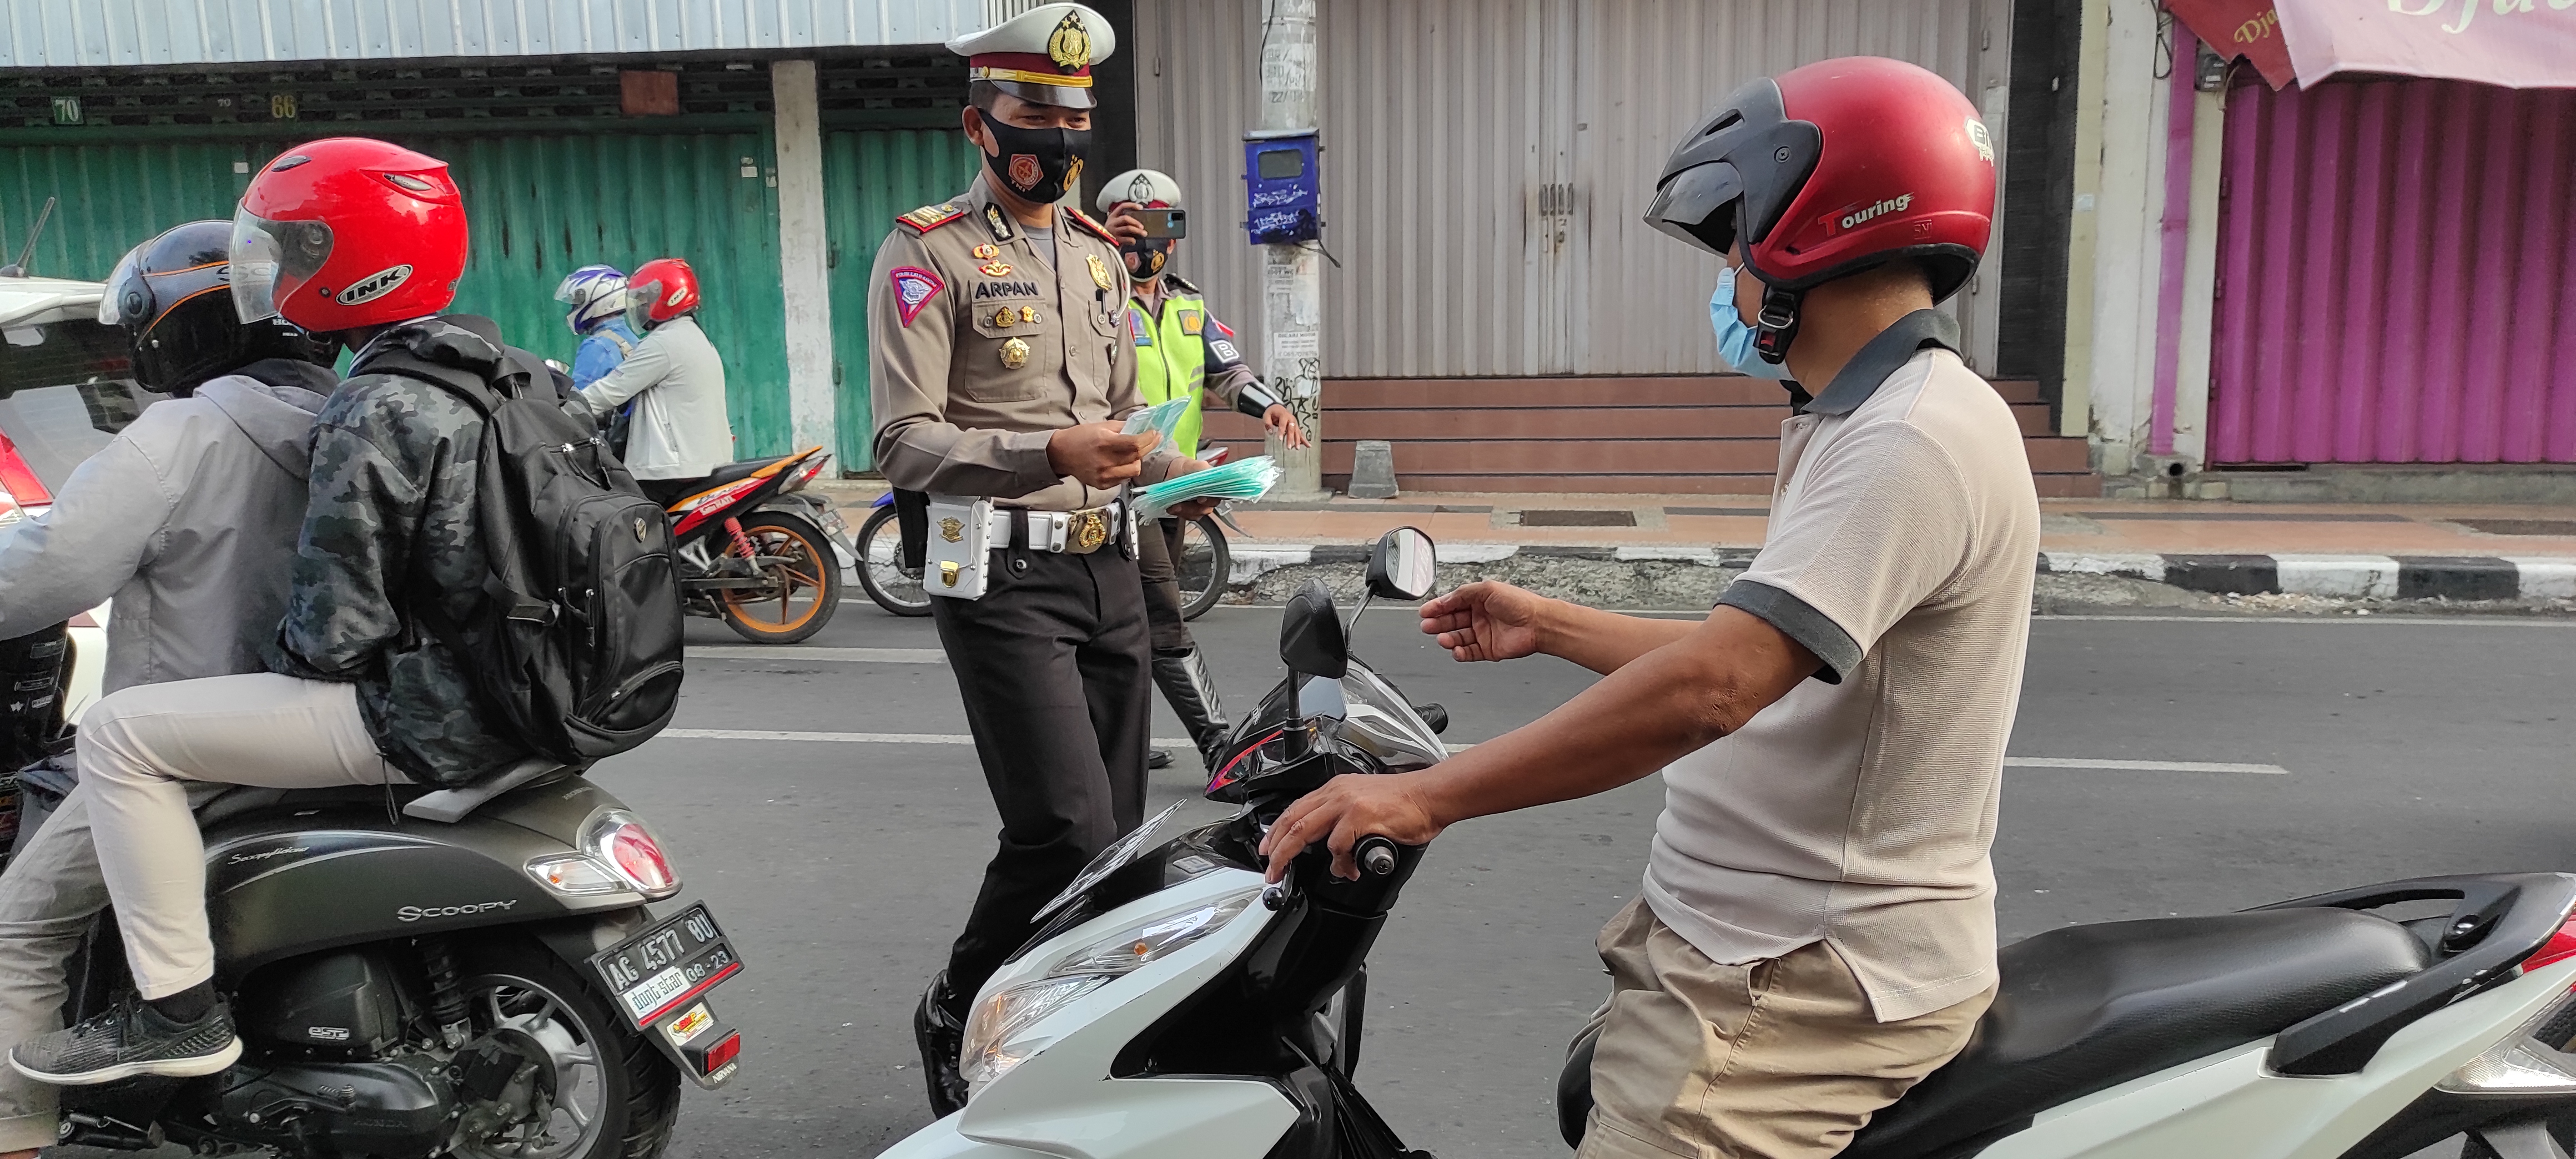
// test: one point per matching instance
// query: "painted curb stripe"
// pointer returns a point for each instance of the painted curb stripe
(2413, 577)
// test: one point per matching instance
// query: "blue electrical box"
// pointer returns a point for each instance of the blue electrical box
(1280, 180)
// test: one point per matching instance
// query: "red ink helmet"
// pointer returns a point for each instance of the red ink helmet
(348, 232)
(1831, 169)
(658, 291)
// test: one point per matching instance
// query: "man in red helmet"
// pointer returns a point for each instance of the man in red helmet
(361, 242)
(1816, 931)
(681, 431)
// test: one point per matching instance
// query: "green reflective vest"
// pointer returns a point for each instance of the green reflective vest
(1171, 358)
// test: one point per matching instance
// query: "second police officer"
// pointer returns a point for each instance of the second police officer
(1182, 351)
(998, 366)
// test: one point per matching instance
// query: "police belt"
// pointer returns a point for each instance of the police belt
(1077, 532)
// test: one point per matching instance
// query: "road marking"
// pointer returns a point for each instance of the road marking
(836, 655)
(2142, 766)
(947, 738)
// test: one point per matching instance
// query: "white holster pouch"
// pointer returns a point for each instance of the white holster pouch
(962, 538)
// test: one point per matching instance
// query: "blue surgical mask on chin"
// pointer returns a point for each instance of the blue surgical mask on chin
(1734, 338)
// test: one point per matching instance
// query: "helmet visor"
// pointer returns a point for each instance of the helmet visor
(1699, 206)
(265, 253)
(128, 296)
(640, 297)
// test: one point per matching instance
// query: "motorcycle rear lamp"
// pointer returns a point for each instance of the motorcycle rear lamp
(805, 473)
(576, 875)
(2560, 947)
(621, 844)
(2529, 1061)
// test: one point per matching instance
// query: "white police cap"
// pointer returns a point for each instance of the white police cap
(1044, 54)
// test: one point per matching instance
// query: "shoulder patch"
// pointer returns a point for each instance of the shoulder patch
(913, 289)
(1221, 327)
(1095, 228)
(930, 217)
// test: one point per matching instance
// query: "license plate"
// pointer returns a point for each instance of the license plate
(832, 521)
(655, 972)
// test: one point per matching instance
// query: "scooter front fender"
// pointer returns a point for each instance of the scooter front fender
(1141, 1118)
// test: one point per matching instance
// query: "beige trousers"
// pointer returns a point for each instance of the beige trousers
(1777, 1059)
(141, 746)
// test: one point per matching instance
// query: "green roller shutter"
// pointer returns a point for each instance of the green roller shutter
(540, 205)
(869, 176)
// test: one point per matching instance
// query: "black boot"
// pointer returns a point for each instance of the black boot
(942, 1037)
(1191, 689)
(1157, 759)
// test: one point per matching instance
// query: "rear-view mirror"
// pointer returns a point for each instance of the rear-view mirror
(1311, 640)
(1404, 565)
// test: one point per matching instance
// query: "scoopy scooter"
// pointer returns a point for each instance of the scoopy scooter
(1171, 1005)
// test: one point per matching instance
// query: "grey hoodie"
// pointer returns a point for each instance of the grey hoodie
(187, 518)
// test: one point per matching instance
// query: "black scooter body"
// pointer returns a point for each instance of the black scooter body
(331, 869)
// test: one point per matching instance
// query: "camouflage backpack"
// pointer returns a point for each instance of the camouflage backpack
(576, 644)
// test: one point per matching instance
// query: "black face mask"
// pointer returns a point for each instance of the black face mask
(1150, 252)
(1036, 164)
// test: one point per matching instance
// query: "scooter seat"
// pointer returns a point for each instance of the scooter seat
(732, 472)
(2087, 1008)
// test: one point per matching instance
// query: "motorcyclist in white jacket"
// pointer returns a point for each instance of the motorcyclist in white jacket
(187, 518)
(681, 432)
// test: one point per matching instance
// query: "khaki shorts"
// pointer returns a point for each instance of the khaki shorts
(1780, 1059)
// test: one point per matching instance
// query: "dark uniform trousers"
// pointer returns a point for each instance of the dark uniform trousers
(1158, 547)
(1052, 666)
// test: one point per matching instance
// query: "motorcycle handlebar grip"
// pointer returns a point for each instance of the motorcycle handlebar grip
(1376, 856)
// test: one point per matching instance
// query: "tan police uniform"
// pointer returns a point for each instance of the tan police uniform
(984, 340)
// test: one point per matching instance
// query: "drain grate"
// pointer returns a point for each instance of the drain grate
(2520, 526)
(1567, 517)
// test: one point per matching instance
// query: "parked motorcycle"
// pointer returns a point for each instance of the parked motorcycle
(478, 975)
(1171, 1004)
(763, 554)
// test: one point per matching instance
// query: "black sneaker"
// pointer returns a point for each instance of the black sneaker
(130, 1041)
(943, 1039)
(1158, 758)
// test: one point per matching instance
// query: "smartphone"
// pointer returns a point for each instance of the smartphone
(1164, 223)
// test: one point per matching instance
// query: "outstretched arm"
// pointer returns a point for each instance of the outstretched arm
(1496, 621)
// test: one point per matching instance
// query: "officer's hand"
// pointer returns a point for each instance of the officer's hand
(1283, 423)
(1486, 621)
(1098, 455)
(1195, 507)
(1124, 222)
(1348, 808)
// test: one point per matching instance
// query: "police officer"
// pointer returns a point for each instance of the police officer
(996, 325)
(1182, 351)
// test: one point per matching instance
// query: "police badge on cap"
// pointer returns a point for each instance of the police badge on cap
(1043, 55)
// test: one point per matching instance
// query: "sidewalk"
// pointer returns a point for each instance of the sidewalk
(2363, 551)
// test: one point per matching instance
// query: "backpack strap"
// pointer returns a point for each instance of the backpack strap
(482, 394)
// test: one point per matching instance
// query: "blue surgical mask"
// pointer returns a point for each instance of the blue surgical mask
(1734, 338)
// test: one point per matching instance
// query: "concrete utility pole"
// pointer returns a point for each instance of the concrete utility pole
(1292, 278)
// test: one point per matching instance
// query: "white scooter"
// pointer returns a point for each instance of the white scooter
(1172, 1007)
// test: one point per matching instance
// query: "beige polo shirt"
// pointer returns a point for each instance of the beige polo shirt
(1859, 809)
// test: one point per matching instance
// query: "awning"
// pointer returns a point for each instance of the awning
(2522, 44)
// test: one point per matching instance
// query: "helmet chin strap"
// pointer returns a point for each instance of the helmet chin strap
(1777, 325)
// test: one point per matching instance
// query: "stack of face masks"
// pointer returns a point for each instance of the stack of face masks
(1162, 416)
(1250, 479)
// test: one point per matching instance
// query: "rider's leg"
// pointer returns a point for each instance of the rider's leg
(139, 749)
(1179, 669)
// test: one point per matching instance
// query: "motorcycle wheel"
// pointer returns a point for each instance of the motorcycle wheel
(807, 581)
(881, 570)
(1203, 567)
(601, 1092)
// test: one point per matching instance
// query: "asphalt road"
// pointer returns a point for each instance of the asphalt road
(842, 869)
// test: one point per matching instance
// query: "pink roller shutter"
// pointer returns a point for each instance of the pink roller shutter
(2397, 276)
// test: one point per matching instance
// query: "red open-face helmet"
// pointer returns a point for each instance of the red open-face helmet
(658, 291)
(348, 232)
(1831, 169)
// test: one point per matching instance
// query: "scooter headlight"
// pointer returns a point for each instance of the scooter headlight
(996, 1038)
(2530, 1061)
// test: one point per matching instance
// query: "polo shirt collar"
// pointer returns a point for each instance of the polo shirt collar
(1880, 357)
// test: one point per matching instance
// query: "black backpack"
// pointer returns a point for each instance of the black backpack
(576, 644)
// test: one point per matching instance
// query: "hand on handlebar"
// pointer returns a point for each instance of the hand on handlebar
(1348, 808)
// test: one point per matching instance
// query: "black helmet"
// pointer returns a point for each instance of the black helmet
(170, 295)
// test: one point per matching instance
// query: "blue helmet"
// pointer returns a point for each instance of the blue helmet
(595, 293)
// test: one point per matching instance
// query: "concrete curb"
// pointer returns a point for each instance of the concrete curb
(2417, 577)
